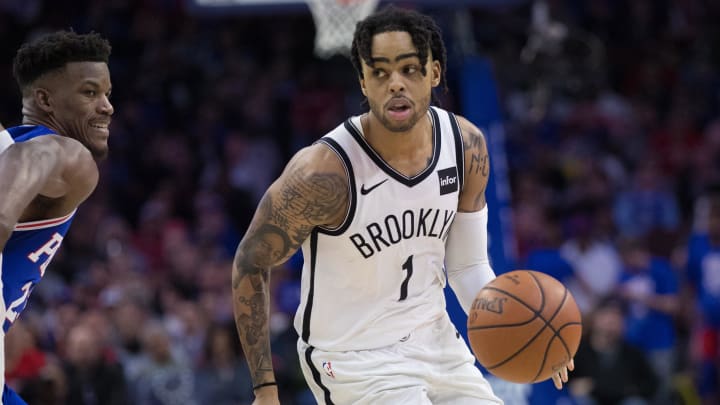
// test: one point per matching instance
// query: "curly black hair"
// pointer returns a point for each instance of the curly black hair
(53, 51)
(425, 34)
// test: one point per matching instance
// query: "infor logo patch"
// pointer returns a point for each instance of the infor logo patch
(448, 180)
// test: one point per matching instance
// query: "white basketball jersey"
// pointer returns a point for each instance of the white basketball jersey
(380, 275)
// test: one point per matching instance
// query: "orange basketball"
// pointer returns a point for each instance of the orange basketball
(524, 326)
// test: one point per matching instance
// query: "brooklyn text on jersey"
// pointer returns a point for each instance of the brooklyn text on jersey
(423, 223)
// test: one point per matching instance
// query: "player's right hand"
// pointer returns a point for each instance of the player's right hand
(267, 396)
(561, 377)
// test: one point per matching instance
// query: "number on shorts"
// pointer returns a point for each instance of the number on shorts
(404, 286)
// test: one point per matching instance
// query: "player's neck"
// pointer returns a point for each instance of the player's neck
(32, 117)
(396, 144)
(407, 152)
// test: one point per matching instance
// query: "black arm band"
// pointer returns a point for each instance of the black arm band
(267, 384)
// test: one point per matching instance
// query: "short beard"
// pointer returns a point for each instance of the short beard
(389, 125)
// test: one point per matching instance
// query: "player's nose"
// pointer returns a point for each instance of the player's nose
(106, 106)
(396, 83)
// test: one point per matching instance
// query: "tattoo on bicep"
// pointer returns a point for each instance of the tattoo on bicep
(479, 161)
(479, 164)
(315, 198)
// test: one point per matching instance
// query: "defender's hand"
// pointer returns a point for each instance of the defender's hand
(562, 376)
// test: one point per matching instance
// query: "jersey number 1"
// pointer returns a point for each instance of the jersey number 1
(404, 286)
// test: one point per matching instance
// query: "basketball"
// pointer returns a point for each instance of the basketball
(524, 326)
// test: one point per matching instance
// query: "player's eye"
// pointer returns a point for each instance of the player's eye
(378, 72)
(410, 69)
(90, 93)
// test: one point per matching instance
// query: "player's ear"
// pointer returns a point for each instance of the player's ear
(362, 86)
(41, 96)
(436, 73)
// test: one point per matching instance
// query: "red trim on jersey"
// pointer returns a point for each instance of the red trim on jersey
(45, 223)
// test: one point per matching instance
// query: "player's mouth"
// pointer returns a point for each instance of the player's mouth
(102, 127)
(399, 108)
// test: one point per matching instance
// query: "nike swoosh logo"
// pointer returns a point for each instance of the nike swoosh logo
(364, 190)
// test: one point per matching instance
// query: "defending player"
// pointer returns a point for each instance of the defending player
(379, 205)
(48, 164)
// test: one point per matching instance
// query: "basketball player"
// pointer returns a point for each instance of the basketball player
(48, 164)
(382, 206)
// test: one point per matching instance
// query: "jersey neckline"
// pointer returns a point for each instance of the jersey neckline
(356, 131)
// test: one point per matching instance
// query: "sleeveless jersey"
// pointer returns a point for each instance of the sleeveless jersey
(380, 274)
(31, 246)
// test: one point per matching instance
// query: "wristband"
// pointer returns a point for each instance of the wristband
(267, 384)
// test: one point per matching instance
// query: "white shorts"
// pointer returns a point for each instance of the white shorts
(432, 365)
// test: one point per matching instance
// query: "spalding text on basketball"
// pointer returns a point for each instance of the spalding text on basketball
(494, 304)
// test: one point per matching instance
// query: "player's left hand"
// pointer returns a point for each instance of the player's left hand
(562, 376)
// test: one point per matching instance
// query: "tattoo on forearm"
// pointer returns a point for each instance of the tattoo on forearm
(255, 346)
(255, 324)
(283, 221)
(251, 307)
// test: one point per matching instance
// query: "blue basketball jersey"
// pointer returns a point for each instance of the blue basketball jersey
(31, 246)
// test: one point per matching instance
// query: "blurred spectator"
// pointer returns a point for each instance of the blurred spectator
(165, 375)
(649, 287)
(24, 361)
(608, 370)
(50, 388)
(92, 378)
(223, 378)
(703, 276)
(595, 259)
(546, 256)
(128, 319)
(647, 205)
(215, 233)
(187, 324)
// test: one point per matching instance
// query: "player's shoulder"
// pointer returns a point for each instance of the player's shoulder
(473, 137)
(77, 156)
(57, 142)
(318, 158)
(316, 179)
(316, 169)
(78, 167)
(63, 149)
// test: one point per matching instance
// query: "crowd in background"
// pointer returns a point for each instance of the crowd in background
(613, 146)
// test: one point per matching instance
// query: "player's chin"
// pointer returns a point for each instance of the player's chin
(100, 151)
(395, 125)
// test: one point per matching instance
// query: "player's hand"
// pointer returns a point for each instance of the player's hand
(562, 376)
(267, 396)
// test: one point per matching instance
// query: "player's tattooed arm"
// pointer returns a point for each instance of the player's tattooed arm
(477, 167)
(312, 191)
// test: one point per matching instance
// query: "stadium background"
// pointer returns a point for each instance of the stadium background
(603, 129)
